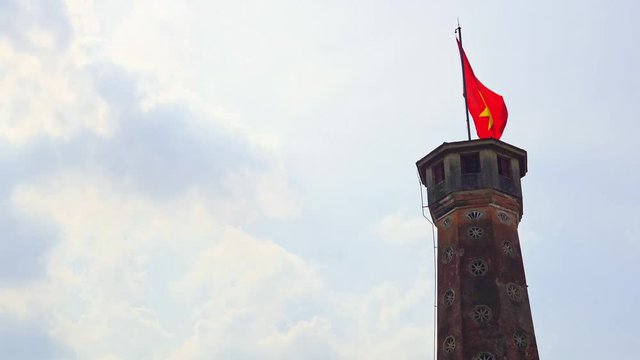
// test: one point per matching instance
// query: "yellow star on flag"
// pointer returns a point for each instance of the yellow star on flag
(486, 112)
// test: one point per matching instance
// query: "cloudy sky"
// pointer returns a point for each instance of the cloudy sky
(236, 179)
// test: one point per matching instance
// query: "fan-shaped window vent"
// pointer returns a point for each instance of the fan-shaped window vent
(503, 217)
(475, 232)
(478, 267)
(520, 340)
(447, 255)
(446, 222)
(449, 344)
(514, 292)
(507, 249)
(474, 214)
(449, 297)
(481, 314)
(484, 356)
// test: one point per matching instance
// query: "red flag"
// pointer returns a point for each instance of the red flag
(486, 107)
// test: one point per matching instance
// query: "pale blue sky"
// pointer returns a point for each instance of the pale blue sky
(236, 180)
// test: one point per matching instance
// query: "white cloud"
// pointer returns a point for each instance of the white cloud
(133, 277)
(46, 94)
(133, 40)
(175, 273)
(102, 275)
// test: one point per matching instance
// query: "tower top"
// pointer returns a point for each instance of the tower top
(475, 165)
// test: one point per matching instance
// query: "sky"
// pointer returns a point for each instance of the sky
(236, 179)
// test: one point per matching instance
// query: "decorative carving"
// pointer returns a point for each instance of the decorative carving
(481, 314)
(474, 214)
(449, 297)
(447, 255)
(475, 232)
(478, 267)
(507, 249)
(503, 217)
(514, 292)
(520, 340)
(449, 344)
(484, 356)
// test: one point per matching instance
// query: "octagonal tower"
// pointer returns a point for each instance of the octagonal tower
(475, 199)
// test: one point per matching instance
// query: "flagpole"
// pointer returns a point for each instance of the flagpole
(464, 82)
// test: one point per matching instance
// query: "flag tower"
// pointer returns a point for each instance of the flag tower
(474, 195)
(475, 199)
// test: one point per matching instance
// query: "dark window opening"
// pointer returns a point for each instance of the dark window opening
(504, 167)
(438, 173)
(470, 163)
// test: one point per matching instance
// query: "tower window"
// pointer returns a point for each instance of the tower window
(504, 167)
(474, 214)
(514, 292)
(438, 172)
(478, 267)
(449, 297)
(475, 232)
(447, 256)
(449, 344)
(481, 314)
(503, 217)
(520, 340)
(470, 163)
(507, 249)
(484, 356)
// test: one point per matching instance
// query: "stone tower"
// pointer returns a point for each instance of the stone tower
(475, 199)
